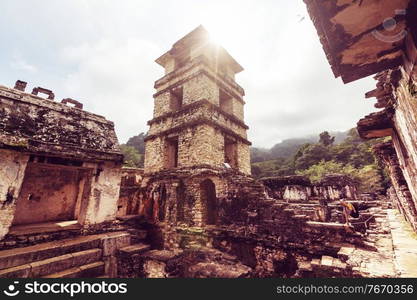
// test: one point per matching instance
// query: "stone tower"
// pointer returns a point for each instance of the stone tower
(198, 116)
(196, 148)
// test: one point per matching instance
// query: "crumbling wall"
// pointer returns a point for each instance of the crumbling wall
(75, 160)
(399, 193)
(202, 123)
(104, 192)
(293, 188)
(12, 170)
(335, 187)
(129, 199)
(288, 187)
(201, 87)
(49, 193)
(243, 150)
(48, 127)
(201, 143)
(405, 137)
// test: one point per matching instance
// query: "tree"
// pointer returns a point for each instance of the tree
(311, 155)
(137, 142)
(132, 157)
(353, 157)
(326, 139)
(318, 171)
(370, 179)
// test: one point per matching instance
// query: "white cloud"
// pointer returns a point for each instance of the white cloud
(19, 64)
(116, 80)
(102, 53)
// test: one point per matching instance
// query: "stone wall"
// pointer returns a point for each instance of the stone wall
(399, 193)
(45, 126)
(104, 192)
(198, 104)
(295, 188)
(189, 114)
(50, 193)
(73, 160)
(405, 136)
(12, 170)
(251, 237)
(396, 92)
(128, 203)
(201, 132)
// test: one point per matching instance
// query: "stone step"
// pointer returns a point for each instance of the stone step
(301, 217)
(93, 270)
(305, 266)
(326, 261)
(52, 265)
(345, 252)
(134, 249)
(315, 262)
(20, 256)
(139, 234)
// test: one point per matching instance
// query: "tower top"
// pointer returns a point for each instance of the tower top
(197, 43)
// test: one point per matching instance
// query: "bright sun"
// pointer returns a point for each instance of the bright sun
(218, 34)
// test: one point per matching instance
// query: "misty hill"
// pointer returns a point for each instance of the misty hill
(288, 147)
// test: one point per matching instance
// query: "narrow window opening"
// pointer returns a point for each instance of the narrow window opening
(176, 99)
(225, 102)
(172, 153)
(230, 152)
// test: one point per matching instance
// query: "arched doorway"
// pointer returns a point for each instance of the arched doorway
(209, 201)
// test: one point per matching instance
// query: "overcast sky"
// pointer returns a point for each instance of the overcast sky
(102, 53)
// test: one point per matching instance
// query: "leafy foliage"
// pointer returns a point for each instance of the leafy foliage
(137, 142)
(318, 171)
(325, 139)
(132, 158)
(134, 151)
(288, 147)
(353, 156)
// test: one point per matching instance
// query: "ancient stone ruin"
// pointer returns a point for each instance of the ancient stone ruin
(295, 188)
(69, 209)
(386, 46)
(58, 163)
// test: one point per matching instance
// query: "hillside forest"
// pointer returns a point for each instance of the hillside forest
(312, 156)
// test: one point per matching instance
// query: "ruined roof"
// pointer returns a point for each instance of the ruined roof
(376, 125)
(199, 38)
(280, 181)
(360, 37)
(387, 82)
(40, 126)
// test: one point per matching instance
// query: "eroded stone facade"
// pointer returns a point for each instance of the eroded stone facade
(198, 114)
(59, 163)
(356, 49)
(332, 187)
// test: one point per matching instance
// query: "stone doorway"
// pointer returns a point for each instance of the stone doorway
(208, 200)
(52, 193)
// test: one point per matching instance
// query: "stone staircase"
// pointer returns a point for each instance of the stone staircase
(79, 257)
(371, 255)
